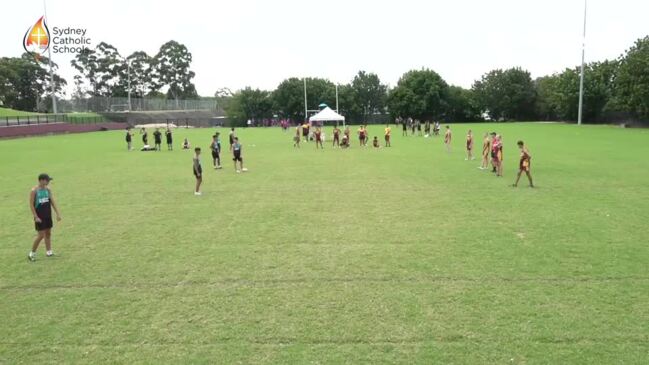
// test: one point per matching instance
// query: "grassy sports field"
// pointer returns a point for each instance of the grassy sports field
(401, 255)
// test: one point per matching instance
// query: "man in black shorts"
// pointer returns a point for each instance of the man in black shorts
(157, 138)
(41, 202)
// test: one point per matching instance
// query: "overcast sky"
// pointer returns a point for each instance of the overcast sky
(238, 43)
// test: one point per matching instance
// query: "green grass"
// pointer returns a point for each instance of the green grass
(7, 112)
(403, 255)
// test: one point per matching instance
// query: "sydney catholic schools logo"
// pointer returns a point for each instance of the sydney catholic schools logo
(37, 39)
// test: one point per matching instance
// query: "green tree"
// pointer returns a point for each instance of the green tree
(461, 105)
(419, 94)
(248, 104)
(288, 98)
(558, 95)
(370, 94)
(631, 88)
(172, 66)
(143, 74)
(508, 94)
(25, 83)
(101, 71)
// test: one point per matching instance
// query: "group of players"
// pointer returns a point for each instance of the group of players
(42, 202)
(316, 134)
(492, 147)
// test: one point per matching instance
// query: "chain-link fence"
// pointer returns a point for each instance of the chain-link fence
(119, 104)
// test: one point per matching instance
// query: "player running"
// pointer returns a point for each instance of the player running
(388, 132)
(447, 139)
(41, 202)
(469, 146)
(524, 164)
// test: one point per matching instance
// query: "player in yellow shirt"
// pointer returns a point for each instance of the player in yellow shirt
(388, 131)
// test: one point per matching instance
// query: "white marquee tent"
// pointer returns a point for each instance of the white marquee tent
(327, 115)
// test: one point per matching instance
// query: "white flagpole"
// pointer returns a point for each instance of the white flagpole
(49, 58)
(583, 64)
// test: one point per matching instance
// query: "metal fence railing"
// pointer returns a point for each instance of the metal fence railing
(120, 104)
(8, 121)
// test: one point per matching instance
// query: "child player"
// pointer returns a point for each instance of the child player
(198, 170)
(524, 164)
(375, 142)
(318, 138)
(469, 146)
(157, 138)
(486, 147)
(170, 140)
(236, 152)
(388, 131)
(296, 138)
(41, 202)
(215, 146)
(447, 139)
(336, 135)
(361, 135)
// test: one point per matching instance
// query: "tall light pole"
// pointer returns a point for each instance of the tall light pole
(583, 64)
(128, 70)
(306, 112)
(337, 98)
(49, 60)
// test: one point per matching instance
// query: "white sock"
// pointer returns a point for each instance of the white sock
(49, 252)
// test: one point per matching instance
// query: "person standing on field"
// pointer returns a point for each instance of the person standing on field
(170, 141)
(198, 170)
(129, 139)
(41, 203)
(157, 138)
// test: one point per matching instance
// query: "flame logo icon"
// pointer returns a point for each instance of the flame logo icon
(37, 38)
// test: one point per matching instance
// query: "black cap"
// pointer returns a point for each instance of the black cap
(45, 177)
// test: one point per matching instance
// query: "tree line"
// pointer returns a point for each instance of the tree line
(619, 86)
(613, 86)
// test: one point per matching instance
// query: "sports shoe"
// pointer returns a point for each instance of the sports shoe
(49, 254)
(31, 257)
(238, 171)
(197, 193)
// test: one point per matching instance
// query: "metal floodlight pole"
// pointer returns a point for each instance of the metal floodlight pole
(306, 113)
(128, 68)
(337, 99)
(583, 66)
(49, 60)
